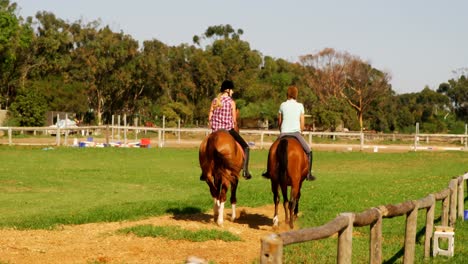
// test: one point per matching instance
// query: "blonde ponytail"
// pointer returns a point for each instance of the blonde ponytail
(219, 103)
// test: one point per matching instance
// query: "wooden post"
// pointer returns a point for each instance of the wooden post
(107, 135)
(362, 141)
(10, 135)
(466, 141)
(429, 227)
(416, 137)
(159, 138)
(410, 234)
(57, 135)
(178, 131)
(461, 202)
(66, 131)
(453, 202)
(375, 245)
(345, 241)
(261, 139)
(118, 127)
(136, 131)
(112, 136)
(164, 130)
(271, 250)
(445, 211)
(125, 128)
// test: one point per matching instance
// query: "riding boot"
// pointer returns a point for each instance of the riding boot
(246, 174)
(202, 177)
(310, 177)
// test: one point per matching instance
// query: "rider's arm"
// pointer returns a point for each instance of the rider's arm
(301, 120)
(280, 121)
(234, 113)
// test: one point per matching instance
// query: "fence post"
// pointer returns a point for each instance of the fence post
(271, 250)
(164, 130)
(461, 193)
(410, 233)
(178, 131)
(261, 139)
(65, 134)
(107, 135)
(125, 128)
(345, 241)
(159, 138)
(416, 136)
(112, 128)
(10, 134)
(362, 140)
(57, 135)
(445, 211)
(375, 245)
(453, 202)
(429, 226)
(466, 138)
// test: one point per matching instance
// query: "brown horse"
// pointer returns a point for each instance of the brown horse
(221, 160)
(287, 166)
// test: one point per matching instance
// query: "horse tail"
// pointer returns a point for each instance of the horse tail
(222, 162)
(282, 157)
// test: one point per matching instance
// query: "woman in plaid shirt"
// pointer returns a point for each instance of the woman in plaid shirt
(222, 115)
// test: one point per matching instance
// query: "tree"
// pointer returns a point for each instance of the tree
(29, 108)
(326, 74)
(99, 60)
(15, 39)
(334, 74)
(363, 85)
(457, 91)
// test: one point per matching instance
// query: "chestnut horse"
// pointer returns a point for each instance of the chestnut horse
(221, 159)
(287, 166)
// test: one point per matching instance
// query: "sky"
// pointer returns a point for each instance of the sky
(418, 42)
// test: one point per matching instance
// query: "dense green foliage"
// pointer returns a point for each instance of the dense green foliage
(83, 185)
(88, 70)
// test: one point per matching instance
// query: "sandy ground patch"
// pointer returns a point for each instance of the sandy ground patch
(99, 242)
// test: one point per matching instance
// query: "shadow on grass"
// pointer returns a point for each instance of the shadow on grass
(189, 214)
(253, 220)
(419, 239)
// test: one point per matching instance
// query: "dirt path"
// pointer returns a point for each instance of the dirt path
(99, 243)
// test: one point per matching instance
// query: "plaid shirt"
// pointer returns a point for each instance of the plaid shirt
(222, 116)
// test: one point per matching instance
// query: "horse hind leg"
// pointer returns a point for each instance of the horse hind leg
(292, 206)
(233, 200)
(284, 190)
(275, 217)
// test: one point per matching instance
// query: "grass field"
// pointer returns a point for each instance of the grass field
(41, 188)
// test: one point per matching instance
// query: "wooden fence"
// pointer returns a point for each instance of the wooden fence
(260, 138)
(272, 245)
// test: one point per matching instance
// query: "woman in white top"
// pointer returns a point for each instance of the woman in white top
(291, 123)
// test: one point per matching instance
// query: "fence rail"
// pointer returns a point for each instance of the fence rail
(259, 138)
(272, 245)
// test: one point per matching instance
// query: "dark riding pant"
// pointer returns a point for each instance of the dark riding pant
(238, 138)
(245, 167)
